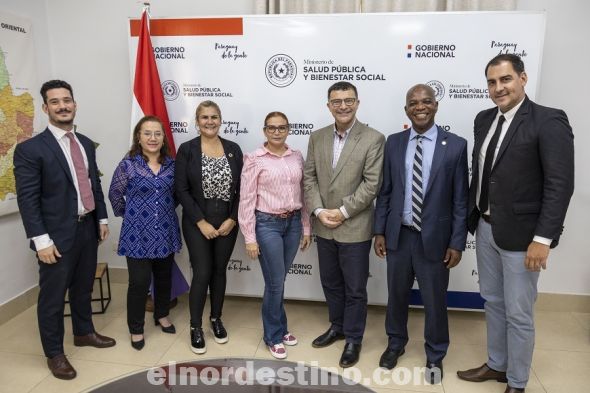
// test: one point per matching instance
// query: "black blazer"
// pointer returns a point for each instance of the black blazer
(532, 179)
(188, 178)
(46, 194)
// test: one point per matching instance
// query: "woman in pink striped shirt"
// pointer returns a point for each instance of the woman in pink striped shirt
(274, 222)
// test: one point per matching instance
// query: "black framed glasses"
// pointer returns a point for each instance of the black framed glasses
(281, 129)
(347, 101)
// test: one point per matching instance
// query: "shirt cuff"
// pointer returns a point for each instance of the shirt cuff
(317, 211)
(344, 212)
(42, 241)
(103, 221)
(249, 238)
(542, 240)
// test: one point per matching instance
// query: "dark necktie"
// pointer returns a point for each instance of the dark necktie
(487, 167)
(81, 173)
(417, 197)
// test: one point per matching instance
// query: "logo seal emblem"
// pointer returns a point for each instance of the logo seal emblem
(171, 90)
(281, 70)
(439, 89)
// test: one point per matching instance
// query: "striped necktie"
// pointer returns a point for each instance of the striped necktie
(417, 196)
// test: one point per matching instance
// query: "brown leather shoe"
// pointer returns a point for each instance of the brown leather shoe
(60, 367)
(481, 374)
(94, 340)
(510, 389)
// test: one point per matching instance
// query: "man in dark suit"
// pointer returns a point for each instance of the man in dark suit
(63, 211)
(421, 225)
(342, 176)
(523, 179)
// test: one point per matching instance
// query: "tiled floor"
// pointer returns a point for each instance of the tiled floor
(561, 361)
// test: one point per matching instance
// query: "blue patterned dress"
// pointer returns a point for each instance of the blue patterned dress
(147, 204)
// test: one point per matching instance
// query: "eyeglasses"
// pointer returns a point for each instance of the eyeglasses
(347, 101)
(272, 129)
(156, 134)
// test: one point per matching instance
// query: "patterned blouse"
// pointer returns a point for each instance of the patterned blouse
(146, 203)
(216, 177)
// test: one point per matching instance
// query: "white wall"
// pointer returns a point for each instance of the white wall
(565, 84)
(85, 43)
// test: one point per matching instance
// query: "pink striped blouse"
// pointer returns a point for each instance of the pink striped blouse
(271, 184)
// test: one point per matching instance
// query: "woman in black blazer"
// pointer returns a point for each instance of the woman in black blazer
(207, 179)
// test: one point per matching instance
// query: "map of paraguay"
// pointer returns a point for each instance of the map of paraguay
(16, 125)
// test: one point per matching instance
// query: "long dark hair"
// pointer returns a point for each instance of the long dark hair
(136, 148)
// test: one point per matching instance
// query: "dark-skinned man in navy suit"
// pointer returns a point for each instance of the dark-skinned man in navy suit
(421, 226)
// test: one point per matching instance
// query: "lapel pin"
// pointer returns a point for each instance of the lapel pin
(444, 143)
(230, 155)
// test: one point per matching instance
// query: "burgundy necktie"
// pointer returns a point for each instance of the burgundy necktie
(81, 173)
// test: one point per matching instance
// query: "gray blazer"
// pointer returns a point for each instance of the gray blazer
(354, 183)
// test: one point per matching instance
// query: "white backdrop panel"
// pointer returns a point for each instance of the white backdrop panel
(256, 64)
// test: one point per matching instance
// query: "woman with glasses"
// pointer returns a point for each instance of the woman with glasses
(208, 171)
(142, 192)
(274, 222)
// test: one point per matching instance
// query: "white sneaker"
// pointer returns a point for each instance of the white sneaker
(278, 351)
(289, 339)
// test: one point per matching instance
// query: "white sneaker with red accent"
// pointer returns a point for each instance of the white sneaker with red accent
(289, 339)
(278, 351)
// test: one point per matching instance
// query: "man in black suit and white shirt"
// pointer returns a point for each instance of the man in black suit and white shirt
(63, 211)
(523, 179)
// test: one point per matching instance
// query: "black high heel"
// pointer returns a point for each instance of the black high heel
(138, 344)
(170, 329)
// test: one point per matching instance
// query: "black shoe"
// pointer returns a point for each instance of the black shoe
(327, 338)
(198, 341)
(389, 358)
(170, 329)
(138, 344)
(350, 355)
(433, 374)
(219, 332)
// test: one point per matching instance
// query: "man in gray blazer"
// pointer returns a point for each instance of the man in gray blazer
(342, 177)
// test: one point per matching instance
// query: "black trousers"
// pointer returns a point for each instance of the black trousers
(344, 271)
(74, 272)
(209, 260)
(140, 276)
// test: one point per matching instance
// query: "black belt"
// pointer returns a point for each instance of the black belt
(487, 218)
(82, 217)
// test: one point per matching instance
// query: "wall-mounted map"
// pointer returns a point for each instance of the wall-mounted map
(18, 80)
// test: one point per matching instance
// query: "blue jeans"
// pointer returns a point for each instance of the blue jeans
(278, 240)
